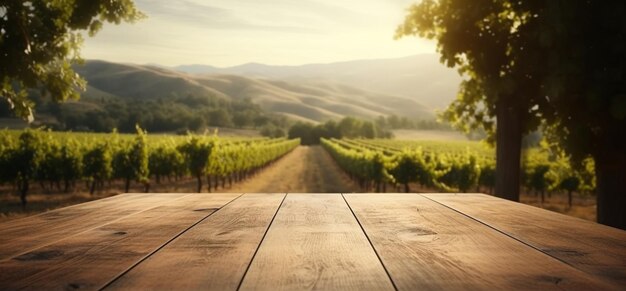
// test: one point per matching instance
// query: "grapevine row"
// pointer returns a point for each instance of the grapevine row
(449, 167)
(36, 156)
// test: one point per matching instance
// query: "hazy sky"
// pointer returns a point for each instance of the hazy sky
(277, 32)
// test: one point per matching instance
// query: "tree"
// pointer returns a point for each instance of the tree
(368, 130)
(131, 161)
(405, 169)
(487, 177)
(272, 131)
(40, 41)
(221, 118)
(71, 163)
(349, 127)
(570, 184)
(97, 164)
(538, 180)
(243, 118)
(197, 152)
(303, 131)
(584, 43)
(486, 41)
(27, 159)
(561, 62)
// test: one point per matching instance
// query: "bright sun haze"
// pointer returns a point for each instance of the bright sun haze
(277, 32)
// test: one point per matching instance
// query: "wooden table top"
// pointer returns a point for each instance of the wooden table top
(309, 241)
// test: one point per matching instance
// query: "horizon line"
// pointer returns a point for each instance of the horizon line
(258, 63)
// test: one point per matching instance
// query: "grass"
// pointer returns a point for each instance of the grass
(439, 135)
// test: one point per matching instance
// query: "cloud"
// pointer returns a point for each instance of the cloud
(210, 17)
(281, 32)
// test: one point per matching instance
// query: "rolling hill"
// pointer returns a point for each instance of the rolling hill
(420, 78)
(310, 99)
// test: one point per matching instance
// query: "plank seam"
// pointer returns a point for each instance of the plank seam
(261, 242)
(508, 235)
(115, 278)
(69, 206)
(99, 200)
(89, 229)
(370, 242)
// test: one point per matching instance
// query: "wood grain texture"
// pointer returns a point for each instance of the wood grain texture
(22, 235)
(92, 258)
(315, 243)
(425, 245)
(593, 248)
(212, 255)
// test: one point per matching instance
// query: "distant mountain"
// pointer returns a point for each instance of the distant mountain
(420, 78)
(310, 99)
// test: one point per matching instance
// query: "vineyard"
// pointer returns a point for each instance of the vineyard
(452, 166)
(64, 160)
(67, 162)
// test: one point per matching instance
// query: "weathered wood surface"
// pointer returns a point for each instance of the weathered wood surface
(28, 233)
(423, 244)
(221, 247)
(91, 258)
(308, 241)
(590, 247)
(316, 243)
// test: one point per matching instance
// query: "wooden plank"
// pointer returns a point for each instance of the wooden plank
(315, 243)
(213, 255)
(23, 235)
(94, 257)
(425, 245)
(593, 248)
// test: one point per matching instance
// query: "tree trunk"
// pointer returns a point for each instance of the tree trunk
(126, 185)
(208, 180)
(611, 187)
(93, 187)
(406, 188)
(569, 198)
(199, 178)
(23, 193)
(508, 150)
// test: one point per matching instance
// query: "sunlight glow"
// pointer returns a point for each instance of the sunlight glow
(278, 32)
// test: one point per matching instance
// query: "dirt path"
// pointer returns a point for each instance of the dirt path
(307, 169)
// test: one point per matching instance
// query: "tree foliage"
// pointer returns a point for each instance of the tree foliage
(348, 127)
(40, 40)
(488, 41)
(485, 40)
(196, 153)
(560, 63)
